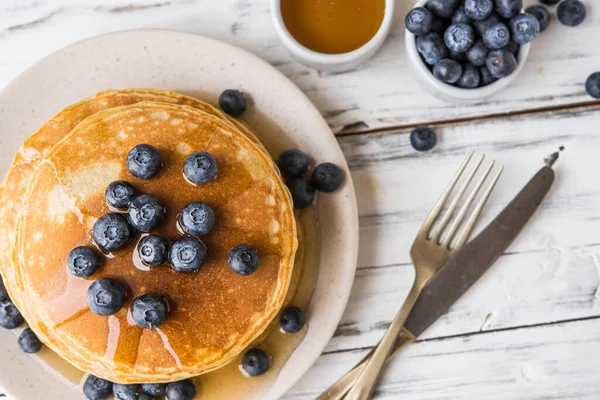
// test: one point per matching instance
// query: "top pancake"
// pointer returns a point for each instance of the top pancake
(214, 313)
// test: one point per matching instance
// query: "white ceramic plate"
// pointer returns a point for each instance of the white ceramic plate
(203, 68)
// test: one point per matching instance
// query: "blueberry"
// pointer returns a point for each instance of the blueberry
(550, 2)
(542, 14)
(293, 163)
(422, 138)
(292, 320)
(486, 76)
(512, 47)
(480, 26)
(479, 10)
(153, 250)
(327, 177)
(112, 232)
(431, 47)
(106, 297)
(496, 36)
(29, 342)
(460, 16)
(145, 213)
(448, 71)
(501, 63)
(256, 362)
(119, 194)
(83, 262)
(200, 167)
(442, 8)
(509, 8)
(125, 392)
(154, 389)
(470, 78)
(197, 219)
(149, 310)
(419, 21)
(571, 12)
(233, 102)
(439, 25)
(524, 28)
(243, 259)
(10, 316)
(457, 56)
(302, 191)
(459, 38)
(182, 390)
(96, 388)
(592, 85)
(187, 255)
(144, 161)
(477, 54)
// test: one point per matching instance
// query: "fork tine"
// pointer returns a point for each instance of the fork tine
(433, 214)
(444, 221)
(464, 235)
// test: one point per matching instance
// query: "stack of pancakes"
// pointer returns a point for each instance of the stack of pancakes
(54, 192)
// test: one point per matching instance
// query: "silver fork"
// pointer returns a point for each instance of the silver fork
(432, 248)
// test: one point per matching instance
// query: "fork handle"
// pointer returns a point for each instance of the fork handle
(365, 384)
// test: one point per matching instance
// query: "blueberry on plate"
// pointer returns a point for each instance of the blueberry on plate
(200, 167)
(112, 232)
(125, 392)
(106, 297)
(592, 85)
(243, 259)
(292, 320)
(187, 255)
(512, 47)
(459, 37)
(154, 389)
(181, 390)
(423, 138)
(470, 78)
(10, 316)
(431, 47)
(542, 14)
(501, 63)
(486, 76)
(477, 54)
(447, 70)
(233, 102)
(293, 163)
(550, 2)
(29, 342)
(327, 177)
(460, 16)
(302, 191)
(571, 12)
(96, 388)
(144, 161)
(149, 310)
(256, 362)
(153, 250)
(442, 8)
(508, 8)
(524, 28)
(197, 219)
(496, 36)
(83, 262)
(480, 26)
(419, 21)
(145, 213)
(119, 194)
(479, 10)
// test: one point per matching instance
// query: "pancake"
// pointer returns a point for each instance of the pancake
(215, 313)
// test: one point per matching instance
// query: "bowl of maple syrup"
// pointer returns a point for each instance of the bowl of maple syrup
(332, 35)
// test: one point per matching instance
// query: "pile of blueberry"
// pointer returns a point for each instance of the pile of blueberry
(96, 388)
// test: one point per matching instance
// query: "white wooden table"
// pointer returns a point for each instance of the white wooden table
(530, 329)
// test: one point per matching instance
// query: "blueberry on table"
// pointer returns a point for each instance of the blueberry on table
(477, 54)
(327, 177)
(154, 389)
(96, 388)
(256, 362)
(423, 138)
(460, 16)
(470, 78)
(144, 161)
(112, 232)
(431, 47)
(571, 12)
(480, 26)
(419, 21)
(524, 28)
(153, 250)
(233, 102)
(293, 163)
(149, 311)
(447, 70)
(29, 342)
(145, 213)
(459, 37)
(83, 261)
(243, 259)
(592, 85)
(496, 36)
(200, 167)
(479, 10)
(542, 14)
(486, 76)
(182, 390)
(550, 2)
(508, 8)
(292, 320)
(119, 194)
(302, 191)
(187, 255)
(10, 316)
(197, 219)
(501, 63)
(442, 8)
(106, 297)
(125, 392)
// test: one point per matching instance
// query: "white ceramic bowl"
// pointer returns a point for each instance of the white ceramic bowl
(450, 93)
(332, 62)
